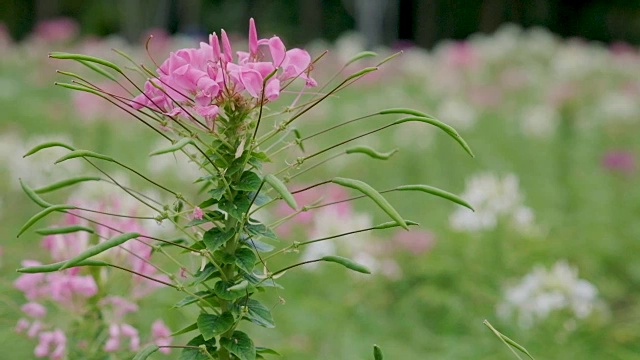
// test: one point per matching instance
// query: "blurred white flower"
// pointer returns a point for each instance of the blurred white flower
(457, 113)
(543, 292)
(493, 198)
(539, 121)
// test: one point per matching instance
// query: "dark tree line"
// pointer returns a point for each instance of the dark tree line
(383, 21)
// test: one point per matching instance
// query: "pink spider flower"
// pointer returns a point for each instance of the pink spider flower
(161, 335)
(201, 80)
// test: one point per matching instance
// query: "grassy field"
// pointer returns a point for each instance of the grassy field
(554, 127)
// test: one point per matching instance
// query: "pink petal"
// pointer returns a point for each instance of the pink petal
(278, 51)
(253, 37)
(226, 47)
(272, 90)
(252, 81)
(197, 213)
(215, 46)
(34, 310)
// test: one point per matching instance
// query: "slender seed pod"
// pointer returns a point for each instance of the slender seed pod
(437, 192)
(57, 266)
(81, 58)
(64, 183)
(442, 126)
(99, 248)
(377, 353)
(33, 196)
(64, 230)
(348, 263)
(281, 188)
(392, 224)
(173, 148)
(359, 56)
(84, 153)
(34, 219)
(373, 195)
(46, 146)
(370, 152)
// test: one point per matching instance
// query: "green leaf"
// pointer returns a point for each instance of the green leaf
(100, 248)
(259, 314)
(221, 288)
(198, 354)
(173, 148)
(35, 218)
(261, 199)
(264, 350)
(259, 246)
(204, 274)
(240, 345)
(215, 238)
(246, 259)
(437, 192)
(186, 329)
(236, 208)
(371, 152)
(190, 299)
(373, 195)
(280, 187)
(377, 353)
(348, 263)
(146, 352)
(249, 181)
(507, 341)
(259, 229)
(211, 325)
(216, 194)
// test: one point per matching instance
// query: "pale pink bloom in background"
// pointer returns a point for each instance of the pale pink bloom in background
(34, 310)
(161, 335)
(619, 161)
(118, 307)
(118, 332)
(52, 344)
(415, 241)
(461, 54)
(58, 29)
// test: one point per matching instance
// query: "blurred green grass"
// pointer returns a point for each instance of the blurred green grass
(435, 310)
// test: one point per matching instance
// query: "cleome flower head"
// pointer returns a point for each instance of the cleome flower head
(201, 81)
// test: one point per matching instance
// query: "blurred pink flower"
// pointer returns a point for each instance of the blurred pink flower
(197, 213)
(619, 161)
(415, 241)
(34, 310)
(57, 29)
(117, 332)
(461, 54)
(52, 344)
(161, 335)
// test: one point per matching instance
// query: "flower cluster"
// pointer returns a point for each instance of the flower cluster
(204, 79)
(82, 293)
(543, 292)
(493, 198)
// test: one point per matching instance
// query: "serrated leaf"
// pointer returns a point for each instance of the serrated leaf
(246, 259)
(211, 325)
(215, 238)
(249, 181)
(259, 314)
(240, 345)
(146, 352)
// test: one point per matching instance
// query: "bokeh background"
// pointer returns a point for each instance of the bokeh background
(545, 92)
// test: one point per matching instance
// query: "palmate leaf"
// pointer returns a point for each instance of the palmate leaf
(240, 345)
(259, 314)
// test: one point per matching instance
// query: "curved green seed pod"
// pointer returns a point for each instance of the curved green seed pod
(348, 263)
(439, 124)
(371, 152)
(84, 153)
(360, 73)
(392, 224)
(175, 147)
(64, 230)
(64, 183)
(34, 219)
(56, 266)
(377, 353)
(359, 56)
(437, 192)
(79, 88)
(281, 188)
(48, 145)
(98, 70)
(373, 195)
(33, 196)
(146, 352)
(80, 58)
(99, 248)
(404, 111)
